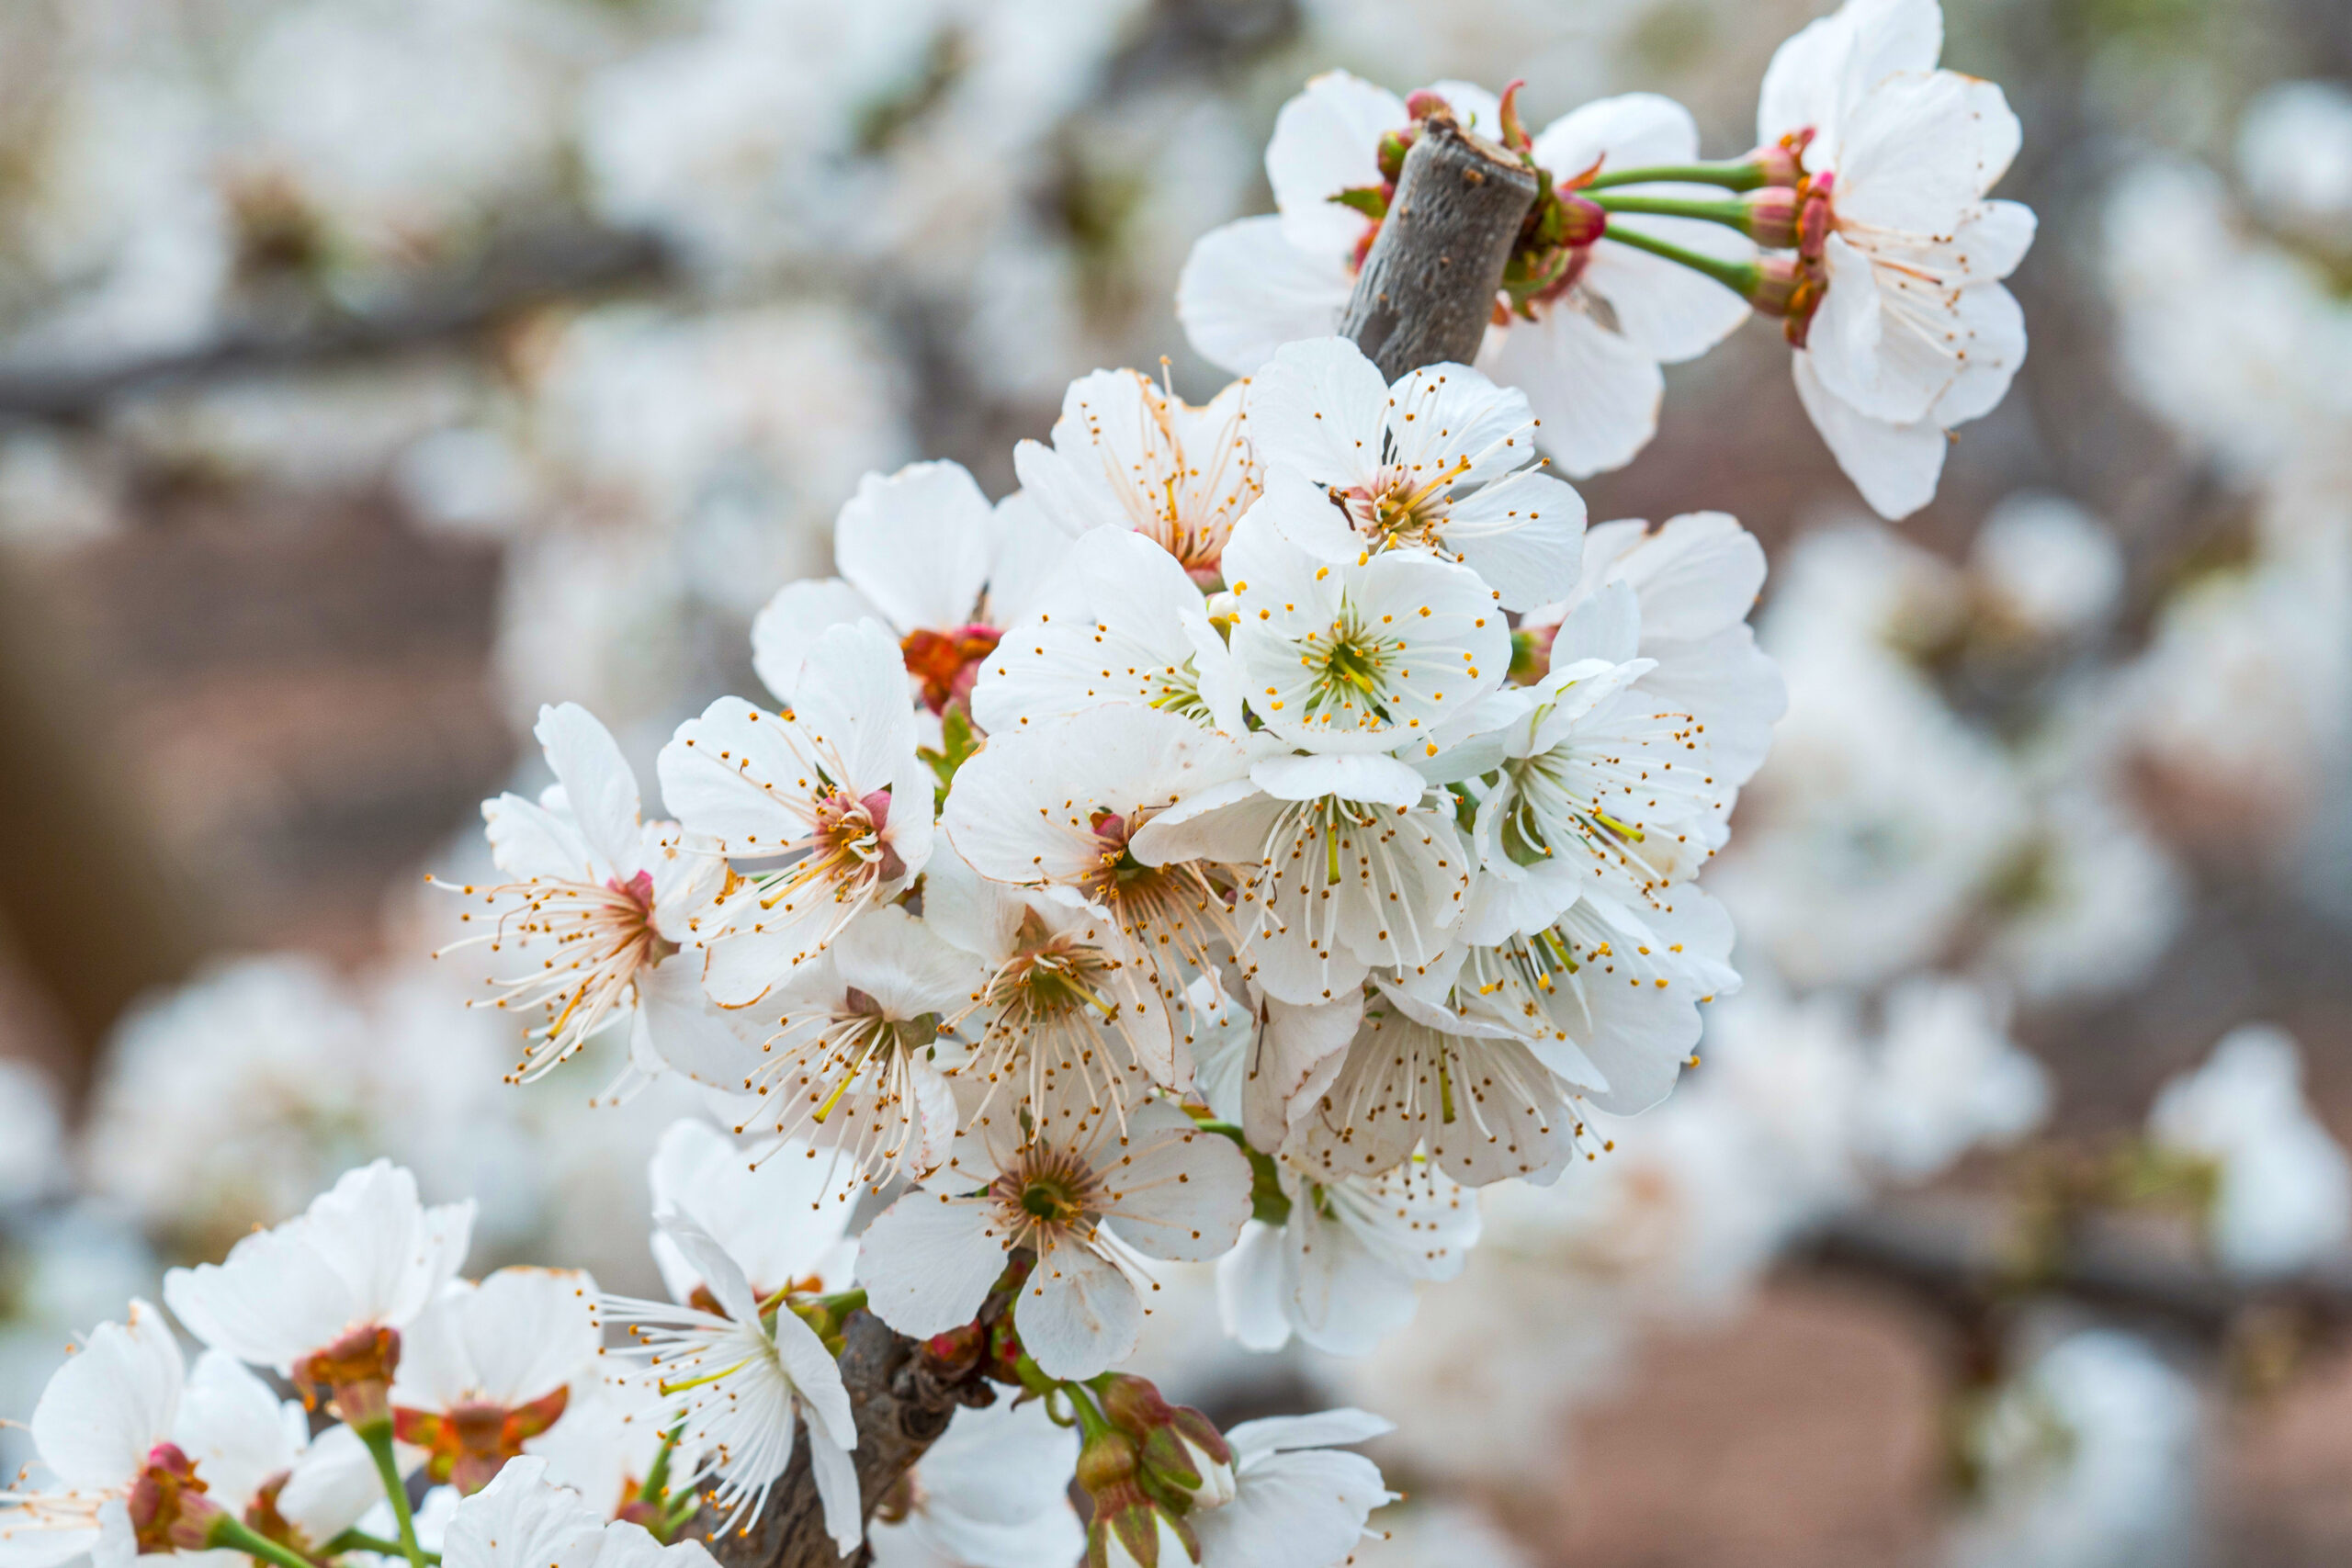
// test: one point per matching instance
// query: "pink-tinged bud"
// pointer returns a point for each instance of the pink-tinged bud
(1772, 215)
(952, 1355)
(1582, 219)
(1421, 103)
(1789, 288)
(169, 1511)
(1515, 135)
(1393, 145)
(1108, 1459)
(1782, 163)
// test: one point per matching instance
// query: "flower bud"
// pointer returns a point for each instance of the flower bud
(1814, 217)
(1582, 219)
(1421, 103)
(1782, 163)
(1791, 287)
(1772, 215)
(1130, 1530)
(1393, 145)
(1182, 1450)
(169, 1511)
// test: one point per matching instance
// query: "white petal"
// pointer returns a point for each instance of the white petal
(1326, 139)
(1250, 1290)
(1894, 467)
(917, 544)
(1175, 1191)
(111, 1403)
(1631, 131)
(1293, 1510)
(1382, 781)
(1246, 290)
(928, 1261)
(788, 626)
(1077, 1314)
(1320, 407)
(1596, 391)
(1666, 308)
(596, 783)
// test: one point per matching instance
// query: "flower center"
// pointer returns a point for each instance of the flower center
(947, 662)
(1395, 510)
(1047, 1186)
(1350, 668)
(467, 1444)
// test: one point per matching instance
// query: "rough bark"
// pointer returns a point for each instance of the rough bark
(901, 1407)
(1426, 292)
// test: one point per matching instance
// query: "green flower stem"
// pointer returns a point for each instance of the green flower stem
(1741, 277)
(360, 1540)
(237, 1536)
(1737, 173)
(378, 1436)
(1730, 214)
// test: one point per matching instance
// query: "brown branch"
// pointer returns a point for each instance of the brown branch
(521, 272)
(902, 1402)
(1427, 289)
(1959, 1256)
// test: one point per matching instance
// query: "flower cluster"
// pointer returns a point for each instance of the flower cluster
(1860, 221)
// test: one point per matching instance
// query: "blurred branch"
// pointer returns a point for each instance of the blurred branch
(93, 907)
(1960, 1257)
(527, 270)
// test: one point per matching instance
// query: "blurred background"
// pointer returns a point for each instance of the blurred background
(372, 371)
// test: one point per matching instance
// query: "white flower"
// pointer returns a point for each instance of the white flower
(600, 903)
(523, 1520)
(778, 1208)
(2091, 1458)
(1340, 1270)
(849, 1062)
(1946, 1079)
(2295, 152)
(1065, 997)
(922, 552)
(1365, 654)
(1597, 788)
(1913, 334)
(737, 1383)
(1126, 454)
(487, 1366)
(993, 1492)
(1056, 807)
(1121, 622)
(1678, 593)
(1473, 1092)
(319, 1296)
(834, 782)
(1090, 1188)
(1587, 348)
(1437, 462)
(1298, 1503)
(1346, 863)
(97, 1428)
(2284, 1196)
(1605, 994)
(2050, 566)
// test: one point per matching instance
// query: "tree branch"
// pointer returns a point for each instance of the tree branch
(1959, 1256)
(524, 271)
(1426, 292)
(901, 1404)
